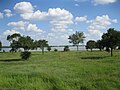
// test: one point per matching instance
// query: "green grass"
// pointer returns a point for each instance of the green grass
(72, 70)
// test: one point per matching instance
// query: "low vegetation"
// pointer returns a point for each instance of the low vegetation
(72, 70)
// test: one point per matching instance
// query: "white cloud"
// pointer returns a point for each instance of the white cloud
(8, 13)
(100, 23)
(96, 2)
(37, 15)
(58, 18)
(1, 15)
(34, 28)
(76, 5)
(81, 19)
(25, 26)
(10, 32)
(24, 7)
(20, 25)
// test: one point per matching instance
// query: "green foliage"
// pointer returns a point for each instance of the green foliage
(49, 48)
(91, 44)
(25, 55)
(13, 39)
(42, 44)
(0, 45)
(111, 39)
(99, 45)
(66, 48)
(55, 50)
(26, 42)
(76, 38)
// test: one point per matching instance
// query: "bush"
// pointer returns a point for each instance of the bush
(25, 55)
(66, 48)
(55, 50)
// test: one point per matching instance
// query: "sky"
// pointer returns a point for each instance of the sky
(55, 20)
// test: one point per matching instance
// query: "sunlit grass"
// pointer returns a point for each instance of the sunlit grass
(83, 70)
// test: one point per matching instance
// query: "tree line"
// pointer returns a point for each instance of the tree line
(109, 41)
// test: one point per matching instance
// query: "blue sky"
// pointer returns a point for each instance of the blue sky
(55, 20)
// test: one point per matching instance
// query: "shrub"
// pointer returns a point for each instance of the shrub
(66, 48)
(49, 48)
(25, 55)
(55, 50)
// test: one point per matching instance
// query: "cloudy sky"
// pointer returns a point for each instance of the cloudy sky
(55, 20)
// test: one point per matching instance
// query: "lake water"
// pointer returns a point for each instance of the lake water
(52, 48)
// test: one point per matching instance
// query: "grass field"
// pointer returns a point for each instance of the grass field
(83, 70)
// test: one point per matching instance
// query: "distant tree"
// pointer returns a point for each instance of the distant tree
(66, 48)
(76, 38)
(55, 50)
(111, 39)
(91, 44)
(42, 44)
(0, 45)
(25, 55)
(26, 42)
(49, 48)
(99, 45)
(13, 39)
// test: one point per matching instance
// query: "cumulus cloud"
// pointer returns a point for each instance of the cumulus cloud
(25, 26)
(58, 18)
(1, 15)
(8, 13)
(10, 32)
(20, 25)
(80, 19)
(33, 28)
(24, 7)
(96, 2)
(100, 23)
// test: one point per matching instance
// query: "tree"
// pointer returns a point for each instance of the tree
(99, 44)
(91, 44)
(0, 45)
(49, 48)
(111, 39)
(13, 39)
(76, 38)
(42, 44)
(66, 48)
(26, 42)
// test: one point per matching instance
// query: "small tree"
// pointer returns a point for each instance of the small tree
(26, 42)
(55, 50)
(66, 48)
(111, 39)
(13, 39)
(49, 48)
(25, 55)
(0, 45)
(42, 44)
(76, 38)
(91, 44)
(99, 45)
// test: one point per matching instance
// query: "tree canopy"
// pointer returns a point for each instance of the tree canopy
(111, 39)
(0, 45)
(76, 38)
(91, 44)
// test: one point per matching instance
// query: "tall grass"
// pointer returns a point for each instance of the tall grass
(60, 71)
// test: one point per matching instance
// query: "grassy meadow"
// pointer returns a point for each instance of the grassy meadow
(82, 70)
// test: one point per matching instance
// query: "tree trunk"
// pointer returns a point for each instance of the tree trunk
(111, 51)
(91, 49)
(42, 50)
(77, 47)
